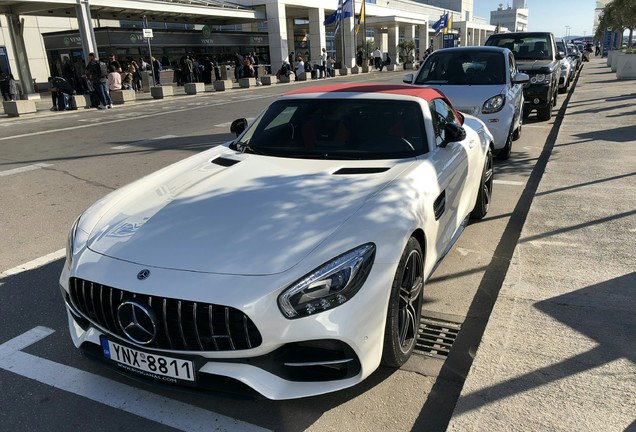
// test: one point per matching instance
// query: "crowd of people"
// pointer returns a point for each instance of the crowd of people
(300, 66)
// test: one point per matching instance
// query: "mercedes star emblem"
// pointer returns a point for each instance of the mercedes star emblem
(137, 322)
(143, 275)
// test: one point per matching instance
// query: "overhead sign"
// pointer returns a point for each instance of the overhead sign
(147, 33)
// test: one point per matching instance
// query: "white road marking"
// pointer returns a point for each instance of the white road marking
(24, 169)
(135, 401)
(141, 143)
(38, 262)
(509, 182)
(222, 125)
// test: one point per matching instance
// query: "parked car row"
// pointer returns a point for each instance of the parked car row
(294, 258)
(503, 82)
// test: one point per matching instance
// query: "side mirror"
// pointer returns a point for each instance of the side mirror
(520, 78)
(238, 126)
(560, 55)
(453, 133)
(408, 78)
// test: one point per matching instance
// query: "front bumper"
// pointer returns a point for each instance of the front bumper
(537, 96)
(322, 353)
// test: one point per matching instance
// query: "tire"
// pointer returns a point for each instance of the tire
(405, 307)
(545, 113)
(517, 133)
(505, 152)
(482, 204)
(526, 112)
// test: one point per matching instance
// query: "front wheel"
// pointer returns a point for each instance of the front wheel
(482, 205)
(505, 152)
(545, 113)
(405, 306)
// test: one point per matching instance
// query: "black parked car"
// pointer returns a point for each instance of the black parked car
(536, 54)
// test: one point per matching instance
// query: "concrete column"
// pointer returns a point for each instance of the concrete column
(348, 27)
(291, 43)
(85, 25)
(393, 39)
(409, 34)
(317, 33)
(277, 32)
(424, 39)
(463, 33)
(16, 28)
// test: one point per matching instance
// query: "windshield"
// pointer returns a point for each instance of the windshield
(338, 129)
(525, 48)
(466, 68)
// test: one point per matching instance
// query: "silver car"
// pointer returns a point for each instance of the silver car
(480, 81)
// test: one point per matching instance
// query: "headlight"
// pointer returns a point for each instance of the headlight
(70, 243)
(539, 79)
(494, 104)
(330, 285)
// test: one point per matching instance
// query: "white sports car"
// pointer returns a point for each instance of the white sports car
(292, 259)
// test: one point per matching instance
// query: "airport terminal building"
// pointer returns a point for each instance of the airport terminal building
(37, 36)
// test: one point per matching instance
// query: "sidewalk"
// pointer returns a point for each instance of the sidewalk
(559, 350)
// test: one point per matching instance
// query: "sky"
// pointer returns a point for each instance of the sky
(549, 15)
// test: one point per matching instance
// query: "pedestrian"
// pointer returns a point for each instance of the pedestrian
(187, 68)
(4, 86)
(144, 64)
(238, 66)
(61, 93)
(217, 69)
(112, 61)
(14, 88)
(323, 63)
(99, 77)
(207, 70)
(386, 62)
(359, 55)
(136, 75)
(114, 79)
(300, 67)
(156, 70)
(377, 58)
(80, 80)
(598, 50)
(248, 68)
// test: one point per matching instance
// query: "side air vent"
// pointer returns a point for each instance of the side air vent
(364, 170)
(224, 162)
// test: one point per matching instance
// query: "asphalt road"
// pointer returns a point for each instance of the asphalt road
(54, 166)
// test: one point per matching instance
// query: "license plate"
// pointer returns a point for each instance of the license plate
(156, 366)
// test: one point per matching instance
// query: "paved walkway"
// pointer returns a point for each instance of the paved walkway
(559, 350)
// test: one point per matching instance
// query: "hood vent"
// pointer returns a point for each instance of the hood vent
(363, 170)
(224, 162)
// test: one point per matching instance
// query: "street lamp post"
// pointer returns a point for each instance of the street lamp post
(152, 66)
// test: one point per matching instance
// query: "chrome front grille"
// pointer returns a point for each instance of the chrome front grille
(182, 325)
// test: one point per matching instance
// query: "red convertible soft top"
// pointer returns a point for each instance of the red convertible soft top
(399, 89)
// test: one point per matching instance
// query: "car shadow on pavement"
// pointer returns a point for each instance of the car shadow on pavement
(601, 312)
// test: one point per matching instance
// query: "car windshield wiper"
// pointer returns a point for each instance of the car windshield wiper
(246, 148)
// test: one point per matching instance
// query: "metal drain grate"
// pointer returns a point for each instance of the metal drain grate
(435, 338)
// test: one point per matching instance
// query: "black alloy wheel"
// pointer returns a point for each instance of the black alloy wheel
(482, 205)
(405, 307)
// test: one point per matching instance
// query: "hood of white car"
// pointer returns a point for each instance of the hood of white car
(469, 99)
(235, 214)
